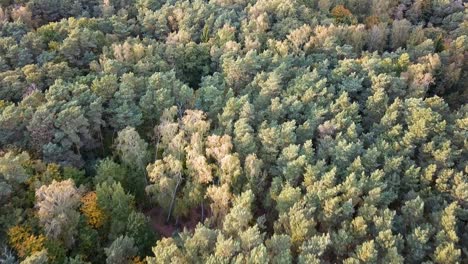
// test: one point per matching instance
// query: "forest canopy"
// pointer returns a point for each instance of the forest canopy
(233, 131)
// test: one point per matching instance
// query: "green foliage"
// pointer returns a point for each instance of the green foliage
(121, 250)
(138, 228)
(259, 131)
(117, 204)
(109, 171)
(13, 173)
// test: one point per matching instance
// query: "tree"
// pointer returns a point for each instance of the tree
(198, 167)
(121, 250)
(199, 245)
(168, 136)
(109, 171)
(256, 177)
(446, 251)
(164, 90)
(291, 163)
(314, 248)
(243, 132)
(377, 37)
(131, 148)
(342, 14)
(418, 9)
(74, 127)
(41, 128)
(123, 109)
(282, 131)
(24, 242)
(279, 248)
(220, 197)
(298, 223)
(7, 256)
(78, 176)
(56, 153)
(165, 251)
(381, 9)
(13, 120)
(211, 96)
(226, 248)
(166, 177)
(95, 215)
(366, 252)
(76, 260)
(240, 215)
(218, 147)
(230, 172)
(81, 45)
(268, 137)
(193, 62)
(105, 86)
(39, 257)
(400, 33)
(12, 173)
(287, 198)
(138, 228)
(418, 242)
(57, 205)
(117, 205)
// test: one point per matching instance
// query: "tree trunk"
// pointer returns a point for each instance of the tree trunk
(145, 174)
(157, 148)
(202, 211)
(102, 141)
(78, 149)
(171, 207)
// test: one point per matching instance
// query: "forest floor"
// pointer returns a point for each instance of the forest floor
(159, 225)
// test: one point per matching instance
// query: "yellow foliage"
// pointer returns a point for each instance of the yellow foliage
(94, 215)
(25, 243)
(138, 260)
(54, 45)
(53, 172)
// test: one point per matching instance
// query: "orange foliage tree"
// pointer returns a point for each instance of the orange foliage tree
(342, 14)
(24, 242)
(94, 214)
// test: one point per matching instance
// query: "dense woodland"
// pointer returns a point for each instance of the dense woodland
(233, 131)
